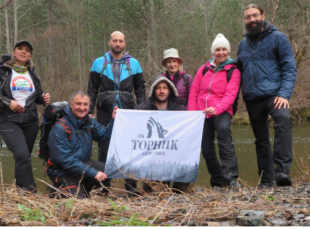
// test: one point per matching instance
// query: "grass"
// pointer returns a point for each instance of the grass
(161, 208)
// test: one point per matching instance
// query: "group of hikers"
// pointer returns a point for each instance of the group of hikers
(265, 70)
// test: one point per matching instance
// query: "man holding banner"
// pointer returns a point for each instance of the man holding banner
(161, 150)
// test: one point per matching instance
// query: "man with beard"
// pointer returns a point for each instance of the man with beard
(268, 68)
(163, 96)
(116, 74)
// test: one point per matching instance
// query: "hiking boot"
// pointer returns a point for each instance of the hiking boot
(234, 183)
(264, 185)
(283, 179)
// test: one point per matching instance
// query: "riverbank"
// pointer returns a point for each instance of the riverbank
(247, 206)
(297, 115)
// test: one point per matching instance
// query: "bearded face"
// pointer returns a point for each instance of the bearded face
(254, 27)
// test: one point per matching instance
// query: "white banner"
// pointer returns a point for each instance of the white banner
(155, 145)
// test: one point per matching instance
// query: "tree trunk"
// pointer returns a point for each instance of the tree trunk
(79, 46)
(15, 8)
(7, 29)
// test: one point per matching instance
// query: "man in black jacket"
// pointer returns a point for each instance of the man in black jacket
(114, 76)
(163, 96)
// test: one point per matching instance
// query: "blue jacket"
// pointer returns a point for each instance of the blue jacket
(268, 67)
(116, 83)
(69, 156)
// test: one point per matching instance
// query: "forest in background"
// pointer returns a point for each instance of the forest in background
(68, 35)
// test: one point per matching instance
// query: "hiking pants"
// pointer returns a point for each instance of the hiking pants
(19, 139)
(282, 151)
(104, 118)
(71, 182)
(221, 175)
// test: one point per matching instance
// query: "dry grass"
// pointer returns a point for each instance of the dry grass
(158, 208)
(302, 162)
(162, 207)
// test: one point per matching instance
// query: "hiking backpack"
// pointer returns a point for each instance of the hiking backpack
(228, 76)
(52, 114)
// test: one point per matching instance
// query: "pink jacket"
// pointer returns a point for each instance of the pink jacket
(212, 90)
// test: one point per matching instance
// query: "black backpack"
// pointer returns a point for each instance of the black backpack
(228, 76)
(51, 114)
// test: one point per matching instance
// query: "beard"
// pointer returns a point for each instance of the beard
(116, 51)
(256, 30)
(158, 100)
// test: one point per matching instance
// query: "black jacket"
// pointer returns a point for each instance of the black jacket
(6, 114)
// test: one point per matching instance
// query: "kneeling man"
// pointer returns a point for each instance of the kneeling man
(69, 164)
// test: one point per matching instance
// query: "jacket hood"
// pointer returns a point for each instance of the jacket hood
(159, 79)
(5, 58)
(77, 124)
(126, 55)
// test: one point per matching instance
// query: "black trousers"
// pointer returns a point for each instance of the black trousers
(73, 184)
(20, 139)
(282, 154)
(221, 175)
(104, 118)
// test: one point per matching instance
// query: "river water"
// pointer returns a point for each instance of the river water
(244, 145)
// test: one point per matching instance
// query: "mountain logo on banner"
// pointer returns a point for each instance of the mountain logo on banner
(151, 124)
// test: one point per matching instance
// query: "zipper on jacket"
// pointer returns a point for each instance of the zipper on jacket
(209, 92)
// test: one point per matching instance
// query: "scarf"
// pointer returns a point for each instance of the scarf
(20, 69)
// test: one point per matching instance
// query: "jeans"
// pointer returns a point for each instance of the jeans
(282, 151)
(20, 138)
(221, 175)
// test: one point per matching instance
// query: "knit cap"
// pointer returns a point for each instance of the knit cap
(220, 41)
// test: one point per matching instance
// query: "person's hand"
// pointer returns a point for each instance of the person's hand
(46, 97)
(16, 107)
(114, 112)
(210, 110)
(91, 115)
(100, 176)
(279, 101)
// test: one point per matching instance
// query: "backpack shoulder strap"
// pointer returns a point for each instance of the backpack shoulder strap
(105, 63)
(68, 130)
(127, 62)
(205, 70)
(229, 73)
(185, 79)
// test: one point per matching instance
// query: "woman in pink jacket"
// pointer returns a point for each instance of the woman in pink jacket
(214, 94)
